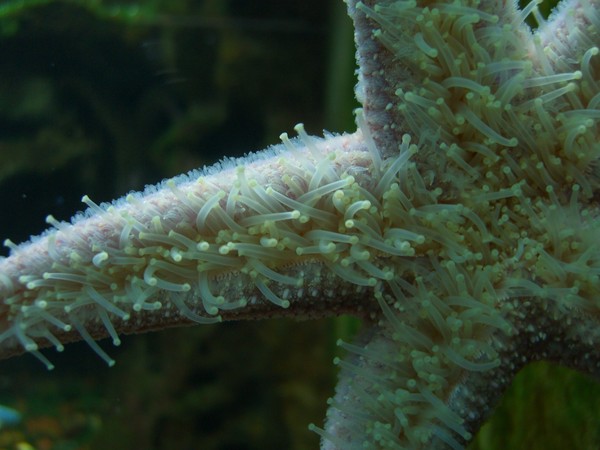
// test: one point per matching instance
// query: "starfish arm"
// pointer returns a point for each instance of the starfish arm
(407, 49)
(375, 405)
(471, 81)
(378, 73)
(427, 374)
(404, 385)
(259, 237)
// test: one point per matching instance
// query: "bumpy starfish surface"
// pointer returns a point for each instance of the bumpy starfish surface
(460, 221)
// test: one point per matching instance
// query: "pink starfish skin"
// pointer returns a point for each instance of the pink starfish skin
(107, 228)
(460, 221)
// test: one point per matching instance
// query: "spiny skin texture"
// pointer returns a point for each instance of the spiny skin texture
(512, 123)
(185, 234)
(460, 221)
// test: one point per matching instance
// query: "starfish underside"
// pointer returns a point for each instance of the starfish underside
(460, 221)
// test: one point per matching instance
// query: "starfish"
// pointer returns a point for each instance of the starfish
(459, 221)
